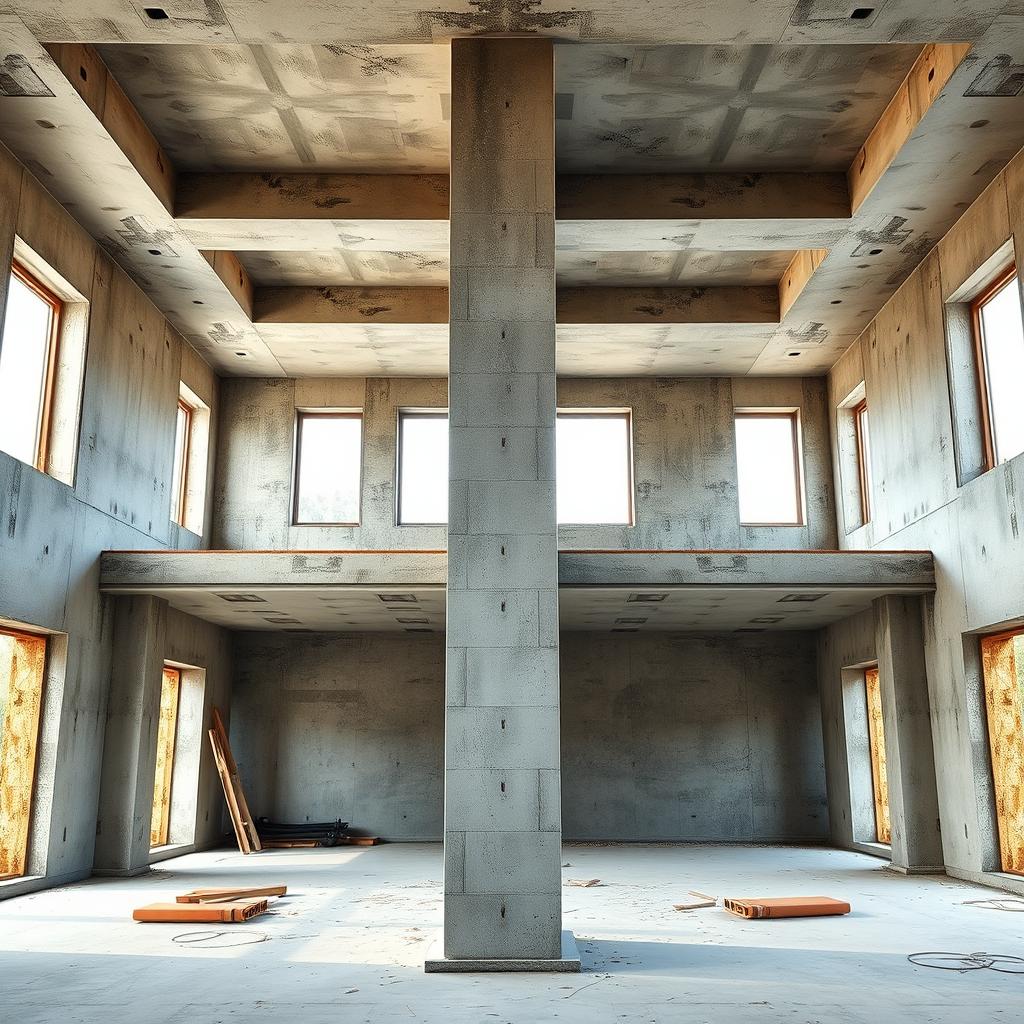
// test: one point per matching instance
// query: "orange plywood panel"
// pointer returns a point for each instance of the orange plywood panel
(876, 742)
(787, 906)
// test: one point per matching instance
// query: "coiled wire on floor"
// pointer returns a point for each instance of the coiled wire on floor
(962, 962)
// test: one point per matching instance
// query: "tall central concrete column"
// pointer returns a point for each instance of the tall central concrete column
(502, 885)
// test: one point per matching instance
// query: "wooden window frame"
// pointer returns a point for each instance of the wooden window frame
(793, 415)
(301, 415)
(997, 284)
(403, 415)
(178, 513)
(17, 829)
(622, 414)
(56, 304)
(863, 446)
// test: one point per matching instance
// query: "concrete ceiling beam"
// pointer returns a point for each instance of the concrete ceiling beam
(787, 196)
(429, 305)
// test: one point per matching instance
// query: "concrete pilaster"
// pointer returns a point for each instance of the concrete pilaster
(129, 743)
(502, 780)
(910, 759)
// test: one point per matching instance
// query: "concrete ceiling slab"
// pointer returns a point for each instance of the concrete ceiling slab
(635, 109)
(413, 21)
(291, 108)
(679, 267)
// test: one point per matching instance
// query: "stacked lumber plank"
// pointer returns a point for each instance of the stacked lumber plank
(226, 905)
(241, 819)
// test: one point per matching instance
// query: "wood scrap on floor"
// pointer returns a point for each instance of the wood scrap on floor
(702, 900)
(231, 893)
(786, 906)
(228, 912)
(583, 883)
(241, 818)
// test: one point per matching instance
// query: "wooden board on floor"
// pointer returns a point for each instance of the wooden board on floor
(227, 913)
(240, 892)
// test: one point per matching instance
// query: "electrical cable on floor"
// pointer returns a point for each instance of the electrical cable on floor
(963, 962)
(1007, 903)
(195, 938)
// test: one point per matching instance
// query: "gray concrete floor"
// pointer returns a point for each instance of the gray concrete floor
(348, 943)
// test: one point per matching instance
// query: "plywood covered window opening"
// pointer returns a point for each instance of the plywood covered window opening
(1002, 658)
(167, 731)
(876, 746)
(22, 672)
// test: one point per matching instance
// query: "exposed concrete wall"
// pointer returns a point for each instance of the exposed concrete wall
(683, 448)
(53, 532)
(654, 730)
(927, 495)
(692, 737)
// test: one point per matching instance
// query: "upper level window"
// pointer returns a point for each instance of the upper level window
(423, 468)
(999, 348)
(768, 468)
(328, 468)
(179, 476)
(862, 432)
(594, 467)
(28, 359)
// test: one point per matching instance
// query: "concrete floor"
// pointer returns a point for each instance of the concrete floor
(348, 943)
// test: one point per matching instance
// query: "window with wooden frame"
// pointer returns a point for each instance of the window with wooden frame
(167, 731)
(594, 467)
(876, 746)
(182, 458)
(422, 467)
(1002, 660)
(998, 329)
(328, 468)
(862, 433)
(769, 467)
(22, 672)
(28, 365)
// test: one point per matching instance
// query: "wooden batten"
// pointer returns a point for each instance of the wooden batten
(931, 71)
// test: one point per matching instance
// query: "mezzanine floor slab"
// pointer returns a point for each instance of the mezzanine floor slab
(348, 944)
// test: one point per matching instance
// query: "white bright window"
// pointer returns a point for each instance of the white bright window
(422, 468)
(328, 468)
(768, 468)
(27, 356)
(999, 338)
(594, 468)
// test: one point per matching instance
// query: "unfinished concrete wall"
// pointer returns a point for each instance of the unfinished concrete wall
(928, 494)
(683, 448)
(673, 736)
(690, 737)
(53, 531)
(342, 725)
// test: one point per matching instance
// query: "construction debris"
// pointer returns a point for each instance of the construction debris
(223, 894)
(787, 906)
(227, 912)
(703, 900)
(245, 829)
(583, 883)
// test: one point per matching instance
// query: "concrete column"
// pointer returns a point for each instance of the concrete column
(502, 780)
(129, 740)
(910, 760)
